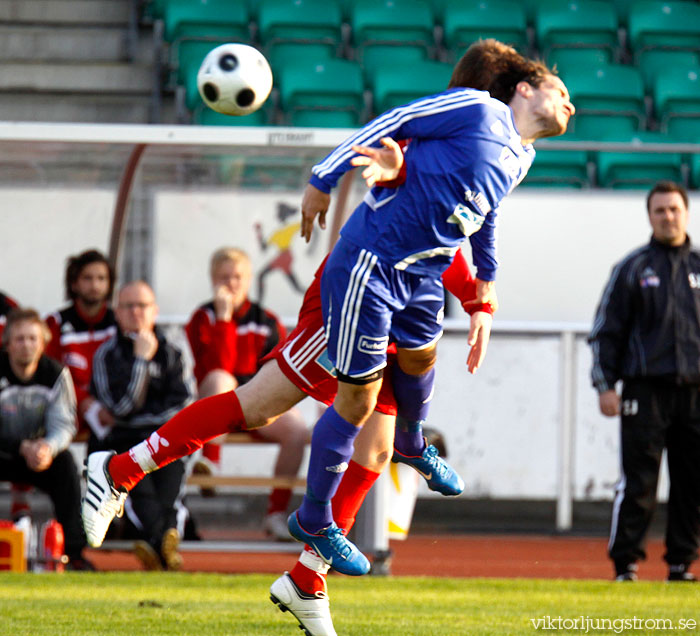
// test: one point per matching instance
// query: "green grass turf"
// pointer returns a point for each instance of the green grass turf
(131, 604)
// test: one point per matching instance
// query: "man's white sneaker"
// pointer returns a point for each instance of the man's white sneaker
(312, 612)
(102, 501)
(275, 526)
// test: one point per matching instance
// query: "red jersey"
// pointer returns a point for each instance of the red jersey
(238, 345)
(74, 340)
(303, 357)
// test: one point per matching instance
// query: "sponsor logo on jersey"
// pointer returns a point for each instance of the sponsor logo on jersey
(469, 221)
(694, 280)
(373, 346)
(649, 278)
(337, 468)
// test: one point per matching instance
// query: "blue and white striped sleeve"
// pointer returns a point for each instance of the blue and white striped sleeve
(436, 116)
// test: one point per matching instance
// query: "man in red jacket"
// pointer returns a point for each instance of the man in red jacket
(79, 329)
(229, 337)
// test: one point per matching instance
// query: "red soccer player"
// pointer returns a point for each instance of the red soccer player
(295, 369)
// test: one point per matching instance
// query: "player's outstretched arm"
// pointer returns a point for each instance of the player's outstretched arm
(314, 203)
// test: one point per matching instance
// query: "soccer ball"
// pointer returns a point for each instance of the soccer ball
(234, 79)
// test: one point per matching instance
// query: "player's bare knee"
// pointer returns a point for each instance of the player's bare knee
(417, 361)
(217, 381)
(355, 402)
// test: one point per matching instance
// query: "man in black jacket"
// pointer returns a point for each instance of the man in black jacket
(141, 379)
(647, 334)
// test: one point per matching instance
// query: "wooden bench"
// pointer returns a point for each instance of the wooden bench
(212, 481)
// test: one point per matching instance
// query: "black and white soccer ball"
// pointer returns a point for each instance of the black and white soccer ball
(234, 79)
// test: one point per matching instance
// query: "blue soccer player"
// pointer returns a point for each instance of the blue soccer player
(469, 149)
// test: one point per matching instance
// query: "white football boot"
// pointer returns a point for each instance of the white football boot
(312, 612)
(102, 501)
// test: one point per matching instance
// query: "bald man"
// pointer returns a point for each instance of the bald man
(141, 379)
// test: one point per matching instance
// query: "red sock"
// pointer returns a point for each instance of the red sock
(353, 489)
(212, 452)
(309, 572)
(279, 500)
(182, 435)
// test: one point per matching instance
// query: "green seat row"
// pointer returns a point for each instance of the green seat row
(613, 169)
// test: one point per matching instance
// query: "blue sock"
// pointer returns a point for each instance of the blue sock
(413, 393)
(331, 450)
(408, 437)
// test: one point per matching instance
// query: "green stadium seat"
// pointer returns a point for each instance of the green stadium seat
(391, 88)
(559, 169)
(677, 95)
(695, 169)
(608, 99)
(215, 20)
(655, 62)
(398, 22)
(191, 25)
(280, 54)
(190, 58)
(573, 58)
(379, 55)
(301, 21)
(467, 22)
(664, 24)
(332, 89)
(631, 170)
(531, 7)
(577, 24)
(684, 129)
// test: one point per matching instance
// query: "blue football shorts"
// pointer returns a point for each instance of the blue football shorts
(368, 303)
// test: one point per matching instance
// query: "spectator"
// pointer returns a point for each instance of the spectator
(647, 334)
(37, 424)
(6, 304)
(229, 337)
(140, 378)
(79, 329)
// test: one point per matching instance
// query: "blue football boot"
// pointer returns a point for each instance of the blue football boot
(332, 546)
(439, 475)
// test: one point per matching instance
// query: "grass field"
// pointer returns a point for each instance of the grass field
(131, 604)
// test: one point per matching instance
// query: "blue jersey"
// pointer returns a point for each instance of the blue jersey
(465, 156)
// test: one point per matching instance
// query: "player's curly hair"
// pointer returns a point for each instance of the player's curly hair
(490, 65)
(77, 263)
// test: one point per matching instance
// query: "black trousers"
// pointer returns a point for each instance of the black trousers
(61, 482)
(151, 506)
(656, 415)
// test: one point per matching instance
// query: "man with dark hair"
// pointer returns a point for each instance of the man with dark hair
(647, 334)
(79, 329)
(37, 424)
(381, 283)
